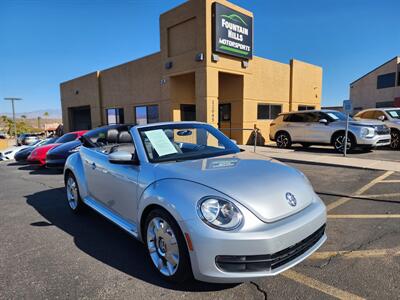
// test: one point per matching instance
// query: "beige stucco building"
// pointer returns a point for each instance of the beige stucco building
(378, 88)
(189, 79)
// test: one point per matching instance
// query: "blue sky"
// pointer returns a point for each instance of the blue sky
(43, 43)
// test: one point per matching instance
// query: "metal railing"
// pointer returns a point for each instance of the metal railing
(255, 132)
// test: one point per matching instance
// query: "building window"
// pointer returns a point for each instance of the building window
(115, 116)
(386, 81)
(398, 79)
(268, 111)
(146, 114)
(305, 107)
(188, 112)
(384, 104)
(225, 112)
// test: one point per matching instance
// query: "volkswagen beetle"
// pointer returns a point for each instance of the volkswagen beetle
(201, 206)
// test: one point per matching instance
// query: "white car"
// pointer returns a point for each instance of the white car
(9, 153)
(390, 116)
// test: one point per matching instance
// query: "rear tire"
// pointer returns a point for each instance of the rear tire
(166, 247)
(395, 139)
(339, 139)
(283, 140)
(73, 197)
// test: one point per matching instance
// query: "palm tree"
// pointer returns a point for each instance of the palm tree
(45, 114)
(38, 121)
(23, 117)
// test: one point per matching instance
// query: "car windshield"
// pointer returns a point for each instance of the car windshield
(67, 138)
(337, 116)
(394, 113)
(177, 142)
(49, 141)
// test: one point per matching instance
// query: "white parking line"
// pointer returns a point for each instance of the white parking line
(381, 216)
(360, 191)
(357, 254)
(320, 286)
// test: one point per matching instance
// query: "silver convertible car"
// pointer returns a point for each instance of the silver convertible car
(202, 207)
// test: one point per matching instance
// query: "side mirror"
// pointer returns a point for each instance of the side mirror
(324, 121)
(123, 158)
(381, 118)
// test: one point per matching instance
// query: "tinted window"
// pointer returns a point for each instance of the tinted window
(67, 138)
(115, 115)
(311, 117)
(386, 80)
(146, 114)
(297, 118)
(268, 111)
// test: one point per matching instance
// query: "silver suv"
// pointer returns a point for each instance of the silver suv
(390, 117)
(327, 127)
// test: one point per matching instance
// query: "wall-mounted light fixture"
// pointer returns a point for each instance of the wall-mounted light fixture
(76, 92)
(168, 65)
(163, 81)
(215, 57)
(245, 64)
(200, 56)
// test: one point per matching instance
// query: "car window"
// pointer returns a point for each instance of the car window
(67, 138)
(311, 117)
(394, 113)
(368, 115)
(379, 114)
(333, 116)
(176, 142)
(297, 118)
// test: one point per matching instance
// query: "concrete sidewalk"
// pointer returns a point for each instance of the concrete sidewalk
(291, 155)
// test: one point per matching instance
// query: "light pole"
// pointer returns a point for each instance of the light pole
(12, 99)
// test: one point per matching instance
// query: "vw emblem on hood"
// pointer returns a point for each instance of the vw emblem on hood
(291, 199)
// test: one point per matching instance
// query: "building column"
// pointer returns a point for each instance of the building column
(207, 96)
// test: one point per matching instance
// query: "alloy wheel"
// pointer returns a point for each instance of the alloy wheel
(163, 246)
(282, 141)
(340, 141)
(72, 193)
(395, 140)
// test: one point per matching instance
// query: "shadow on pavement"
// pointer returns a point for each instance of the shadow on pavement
(105, 241)
(39, 170)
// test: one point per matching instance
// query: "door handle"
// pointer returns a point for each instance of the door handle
(93, 166)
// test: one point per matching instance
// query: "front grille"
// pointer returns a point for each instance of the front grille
(382, 129)
(383, 142)
(268, 262)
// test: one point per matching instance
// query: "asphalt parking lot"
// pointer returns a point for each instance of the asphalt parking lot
(46, 252)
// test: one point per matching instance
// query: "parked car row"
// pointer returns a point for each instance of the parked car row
(327, 127)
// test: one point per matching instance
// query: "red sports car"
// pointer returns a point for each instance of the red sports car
(38, 156)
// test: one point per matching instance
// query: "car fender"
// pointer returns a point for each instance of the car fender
(75, 165)
(177, 196)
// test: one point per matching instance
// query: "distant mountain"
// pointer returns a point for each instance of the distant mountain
(53, 114)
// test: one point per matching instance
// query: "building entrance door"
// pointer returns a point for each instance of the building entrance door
(225, 118)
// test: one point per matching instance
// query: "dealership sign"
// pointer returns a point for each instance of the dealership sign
(232, 32)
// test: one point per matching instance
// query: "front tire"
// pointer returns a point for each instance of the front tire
(167, 247)
(395, 139)
(283, 140)
(339, 142)
(74, 200)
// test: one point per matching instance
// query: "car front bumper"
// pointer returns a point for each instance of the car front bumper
(55, 163)
(259, 249)
(376, 141)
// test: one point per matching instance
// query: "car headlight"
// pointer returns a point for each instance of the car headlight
(219, 213)
(367, 132)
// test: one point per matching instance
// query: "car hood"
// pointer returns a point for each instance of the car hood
(64, 148)
(13, 148)
(44, 148)
(257, 182)
(365, 123)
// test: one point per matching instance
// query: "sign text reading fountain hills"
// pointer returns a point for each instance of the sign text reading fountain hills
(233, 32)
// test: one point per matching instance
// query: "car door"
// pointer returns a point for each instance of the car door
(294, 125)
(315, 132)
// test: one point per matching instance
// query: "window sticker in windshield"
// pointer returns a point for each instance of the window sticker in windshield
(333, 116)
(394, 113)
(160, 142)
